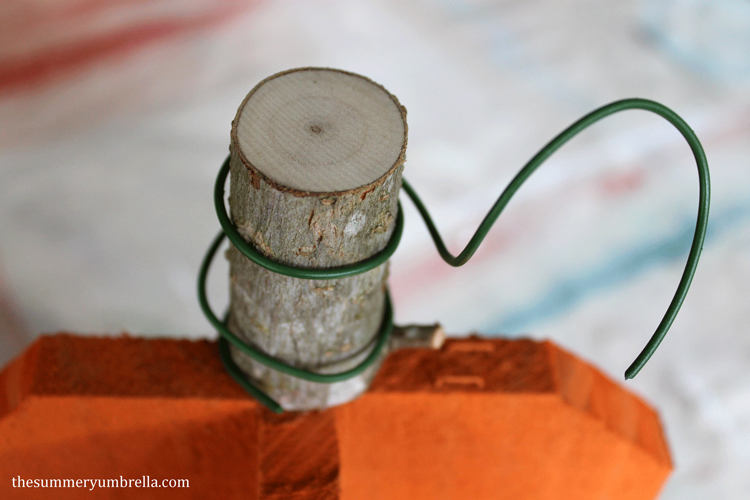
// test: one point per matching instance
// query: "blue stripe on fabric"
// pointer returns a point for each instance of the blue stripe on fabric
(567, 294)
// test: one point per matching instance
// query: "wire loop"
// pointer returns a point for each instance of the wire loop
(546, 152)
(299, 272)
(332, 273)
(228, 337)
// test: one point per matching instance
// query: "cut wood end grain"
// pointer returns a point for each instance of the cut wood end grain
(320, 130)
(417, 336)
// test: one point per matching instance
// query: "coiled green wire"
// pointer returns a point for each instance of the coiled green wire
(228, 337)
(464, 256)
(229, 230)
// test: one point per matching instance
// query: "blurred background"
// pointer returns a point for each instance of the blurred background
(115, 117)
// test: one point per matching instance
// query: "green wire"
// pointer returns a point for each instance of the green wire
(297, 272)
(327, 378)
(238, 375)
(332, 273)
(546, 152)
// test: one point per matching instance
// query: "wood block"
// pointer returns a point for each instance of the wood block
(77, 408)
(498, 419)
(479, 418)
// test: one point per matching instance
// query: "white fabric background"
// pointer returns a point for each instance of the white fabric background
(107, 167)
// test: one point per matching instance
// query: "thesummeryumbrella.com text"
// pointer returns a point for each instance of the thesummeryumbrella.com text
(90, 484)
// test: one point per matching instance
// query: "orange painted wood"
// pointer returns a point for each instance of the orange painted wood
(496, 419)
(477, 419)
(299, 456)
(77, 407)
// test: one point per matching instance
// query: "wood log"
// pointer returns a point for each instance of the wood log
(316, 162)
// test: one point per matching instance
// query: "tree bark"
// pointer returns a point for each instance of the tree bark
(316, 162)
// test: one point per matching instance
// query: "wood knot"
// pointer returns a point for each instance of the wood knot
(318, 128)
